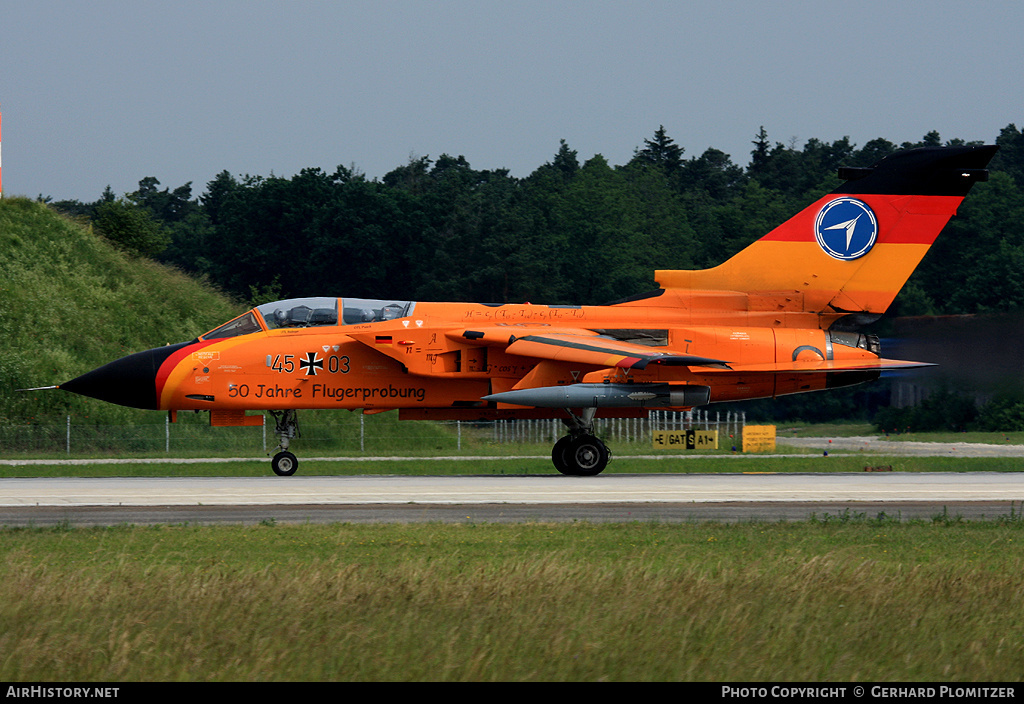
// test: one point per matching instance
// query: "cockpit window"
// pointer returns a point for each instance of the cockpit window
(312, 312)
(309, 312)
(371, 310)
(300, 313)
(242, 325)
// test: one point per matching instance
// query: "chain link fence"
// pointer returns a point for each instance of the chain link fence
(621, 430)
(200, 439)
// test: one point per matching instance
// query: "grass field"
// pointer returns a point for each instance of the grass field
(838, 598)
(835, 599)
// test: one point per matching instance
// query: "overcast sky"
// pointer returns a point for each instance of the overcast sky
(107, 92)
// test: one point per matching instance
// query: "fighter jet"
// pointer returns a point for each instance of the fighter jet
(782, 316)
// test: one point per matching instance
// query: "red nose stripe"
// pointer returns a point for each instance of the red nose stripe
(172, 361)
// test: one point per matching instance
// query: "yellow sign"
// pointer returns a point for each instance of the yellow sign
(686, 439)
(759, 438)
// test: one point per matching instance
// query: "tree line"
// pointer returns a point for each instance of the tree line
(571, 232)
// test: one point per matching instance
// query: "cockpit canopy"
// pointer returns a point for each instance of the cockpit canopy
(299, 313)
(312, 312)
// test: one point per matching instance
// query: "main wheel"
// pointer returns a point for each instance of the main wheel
(558, 454)
(284, 464)
(586, 456)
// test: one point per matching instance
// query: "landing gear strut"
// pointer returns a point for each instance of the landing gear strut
(580, 453)
(285, 463)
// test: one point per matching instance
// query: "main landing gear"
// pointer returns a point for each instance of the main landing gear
(580, 453)
(285, 463)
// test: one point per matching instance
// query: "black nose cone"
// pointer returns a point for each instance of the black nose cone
(129, 381)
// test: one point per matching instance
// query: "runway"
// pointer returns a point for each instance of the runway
(608, 497)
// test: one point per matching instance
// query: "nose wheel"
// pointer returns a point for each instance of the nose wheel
(284, 464)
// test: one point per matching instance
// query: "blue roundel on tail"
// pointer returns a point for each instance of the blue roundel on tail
(846, 228)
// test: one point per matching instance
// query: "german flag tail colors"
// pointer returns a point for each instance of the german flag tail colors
(854, 249)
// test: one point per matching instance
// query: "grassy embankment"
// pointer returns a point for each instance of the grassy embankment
(837, 599)
(70, 302)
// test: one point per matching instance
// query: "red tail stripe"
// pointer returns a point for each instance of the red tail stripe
(930, 213)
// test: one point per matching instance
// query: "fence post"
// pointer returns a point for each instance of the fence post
(458, 426)
(362, 433)
(167, 434)
(68, 441)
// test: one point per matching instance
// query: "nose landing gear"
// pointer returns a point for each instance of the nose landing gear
(285, 463)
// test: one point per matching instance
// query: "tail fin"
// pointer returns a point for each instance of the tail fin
(853, 250)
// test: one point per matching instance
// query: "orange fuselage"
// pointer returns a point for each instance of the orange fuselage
(426, 361)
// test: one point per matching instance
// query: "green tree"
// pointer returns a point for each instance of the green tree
(606, 255)
(1002, 414)
(871, 153)
(1010, 157)
(932, 139)
(760, 154)
(713, 173)
(661, 152)
(131, 227)
(166, 206)
(565, 161)
(977, 262)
